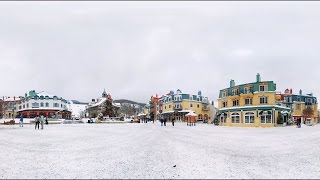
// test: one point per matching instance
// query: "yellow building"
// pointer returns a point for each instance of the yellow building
(250, 105)
(178, 104)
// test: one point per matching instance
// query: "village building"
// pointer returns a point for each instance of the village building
(9, 110)
(42, 103)
(251, 105)
(104, 105)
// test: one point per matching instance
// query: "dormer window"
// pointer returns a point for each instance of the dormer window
(224, 93)
(262, 88)
(235, 92)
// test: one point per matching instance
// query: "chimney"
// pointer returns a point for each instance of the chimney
(258, 78)
(232, 83)
(300, 92)
(291, 91)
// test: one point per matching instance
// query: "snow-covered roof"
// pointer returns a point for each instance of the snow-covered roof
(100, 101)
(44, 93)
(191, 114)
(117, 104)
(13, 98)
(167, 112)
(187, 111)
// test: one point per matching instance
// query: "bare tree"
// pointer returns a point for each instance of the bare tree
(308, 113)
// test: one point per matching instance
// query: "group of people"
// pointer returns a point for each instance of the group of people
(40, 120)
(164, 120)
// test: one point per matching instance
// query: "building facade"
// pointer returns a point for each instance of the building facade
(42, 103)
(9, 110)
(153, 108)
(250, 105)
(298, 103)
(104, 105)
(179, 104)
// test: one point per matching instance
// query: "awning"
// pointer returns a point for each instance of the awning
(185, 111)
(265, 113)
(167, 112)
(284, 112)
(191, 114)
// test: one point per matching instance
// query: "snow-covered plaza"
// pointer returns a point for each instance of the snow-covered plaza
(151, 151)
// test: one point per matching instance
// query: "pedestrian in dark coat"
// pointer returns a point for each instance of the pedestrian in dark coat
(173, 121)
(37, 121)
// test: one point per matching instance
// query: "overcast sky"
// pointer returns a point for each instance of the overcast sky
(138, 49)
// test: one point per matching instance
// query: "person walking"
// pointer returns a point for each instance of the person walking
(161, 120)
(299, 123)
(42, 121)
(47, 120)
(173, 121)
(21, 121)
(37, 121)
(165, 121)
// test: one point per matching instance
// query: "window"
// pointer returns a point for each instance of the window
(288, 99)
(169, 106)
(55, 104)
(200, 117)
(235, 92)
(298, 99)
(165, 107)
(263, 100)
(41, 104)
(235, 118)
(265, 118)
(24, 106)
(248, 101)
(61, 105)
(262, 88)
(35, 105)
(224, 94)
(190, 104)
(198, 106)
(298, 106)
(247, 90)
(249, 117)
(191, 98)
(198, 99)
(235, 102)
(225, 104)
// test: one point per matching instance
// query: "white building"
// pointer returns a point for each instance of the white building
(42, 103)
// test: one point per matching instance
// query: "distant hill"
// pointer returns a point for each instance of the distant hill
(121, 101)
(78, 102)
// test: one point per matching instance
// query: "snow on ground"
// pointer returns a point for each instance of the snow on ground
(135, 150)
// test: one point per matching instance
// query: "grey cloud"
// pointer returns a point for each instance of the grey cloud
(138, 49)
